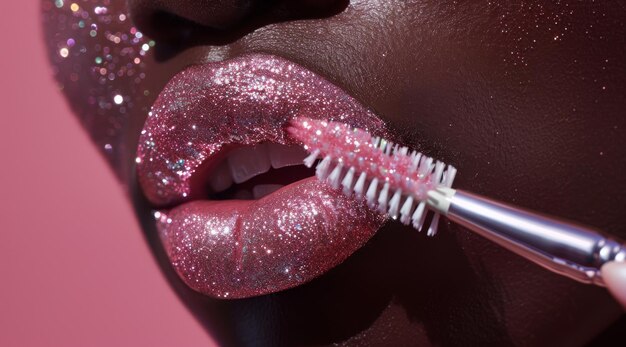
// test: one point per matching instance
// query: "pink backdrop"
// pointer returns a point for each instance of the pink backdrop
(74, 269)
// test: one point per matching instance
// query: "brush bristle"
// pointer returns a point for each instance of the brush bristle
(388, 177)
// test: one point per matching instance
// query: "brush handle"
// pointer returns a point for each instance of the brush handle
(565, 248)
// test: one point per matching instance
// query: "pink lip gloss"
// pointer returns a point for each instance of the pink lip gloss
(241, 248)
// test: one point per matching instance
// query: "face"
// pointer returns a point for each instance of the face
(182, 97)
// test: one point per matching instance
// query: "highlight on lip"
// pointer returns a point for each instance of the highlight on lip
(237, 212)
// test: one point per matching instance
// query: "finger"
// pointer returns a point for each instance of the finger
(614, 275)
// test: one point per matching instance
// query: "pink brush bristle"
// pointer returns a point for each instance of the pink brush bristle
(389, 177)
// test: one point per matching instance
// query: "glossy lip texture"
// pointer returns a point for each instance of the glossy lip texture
(242, 248)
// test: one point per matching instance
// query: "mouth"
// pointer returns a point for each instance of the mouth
(237, 212)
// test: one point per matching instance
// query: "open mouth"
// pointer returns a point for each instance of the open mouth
(237, 212)
(252, 172)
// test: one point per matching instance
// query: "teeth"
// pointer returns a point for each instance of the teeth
(248, 162)
(221, 179)
(261, 190)
(244, 163)
(281, 156)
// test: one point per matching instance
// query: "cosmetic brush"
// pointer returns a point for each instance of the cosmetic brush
(407, 185)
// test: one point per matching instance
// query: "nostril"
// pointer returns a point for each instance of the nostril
(168, 27)
(179, 24)
(162, 17)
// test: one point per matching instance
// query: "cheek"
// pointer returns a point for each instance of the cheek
(527, 102)
(100, 60)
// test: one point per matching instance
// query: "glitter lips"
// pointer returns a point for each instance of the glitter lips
(241, 248)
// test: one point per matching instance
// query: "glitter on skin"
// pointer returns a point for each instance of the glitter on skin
(114, 68)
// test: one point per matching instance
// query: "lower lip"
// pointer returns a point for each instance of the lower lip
(237, 248)
(243, 248)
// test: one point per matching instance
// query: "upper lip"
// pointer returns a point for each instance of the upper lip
(234, 248)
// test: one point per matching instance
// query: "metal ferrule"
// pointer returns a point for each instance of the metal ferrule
(565, 248)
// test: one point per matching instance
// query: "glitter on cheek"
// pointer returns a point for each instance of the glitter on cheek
(99, 60)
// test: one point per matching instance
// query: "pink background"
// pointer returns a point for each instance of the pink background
(74, 269)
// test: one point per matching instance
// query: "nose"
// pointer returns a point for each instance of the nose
(185, 22)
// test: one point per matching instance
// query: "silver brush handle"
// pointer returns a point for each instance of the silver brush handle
(565, 248)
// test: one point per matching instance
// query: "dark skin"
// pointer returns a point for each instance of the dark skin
(526, 100)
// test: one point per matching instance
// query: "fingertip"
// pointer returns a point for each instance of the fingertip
(614, 275)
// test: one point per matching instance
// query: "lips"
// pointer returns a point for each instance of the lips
(217, 165)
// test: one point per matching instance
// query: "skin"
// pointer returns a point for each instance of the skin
(614, 275)
(526, 100)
